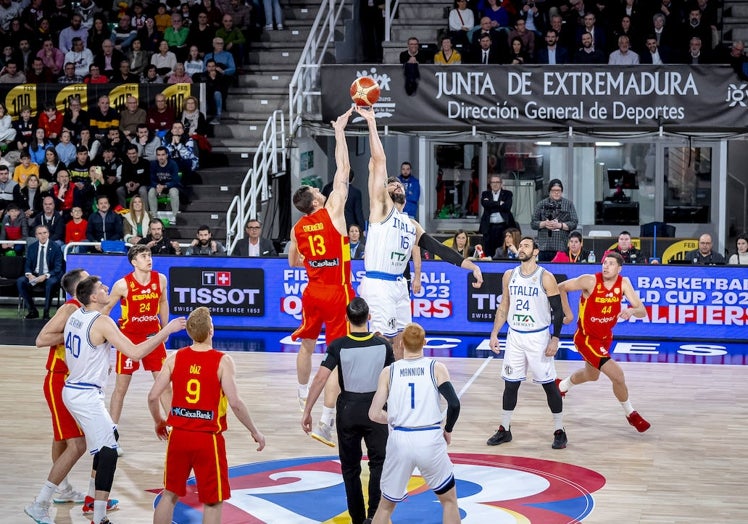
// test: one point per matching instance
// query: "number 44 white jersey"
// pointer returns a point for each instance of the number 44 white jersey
(88, 364)
(529, 309)
(413, 401)
(390, 243)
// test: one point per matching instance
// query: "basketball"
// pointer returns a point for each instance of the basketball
(365, 91)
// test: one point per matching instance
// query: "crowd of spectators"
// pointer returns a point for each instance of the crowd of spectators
(619, 32)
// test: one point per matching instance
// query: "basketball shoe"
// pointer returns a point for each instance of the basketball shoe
(636, 420)
(88, 505)
(323, 434)
(69, 495)
(39, 512)
(559, 439)
(501, 436)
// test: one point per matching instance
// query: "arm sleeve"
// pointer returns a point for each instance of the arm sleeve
(431, 245)
(453, 405)
(557, 315)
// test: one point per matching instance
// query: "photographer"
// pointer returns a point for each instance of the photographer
(554, 218)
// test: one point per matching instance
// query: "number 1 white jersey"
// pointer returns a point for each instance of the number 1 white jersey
(88, 364)
(413, 401)
(529, 309)
(390, 243)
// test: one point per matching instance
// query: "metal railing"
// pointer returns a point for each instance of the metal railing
(389, 16)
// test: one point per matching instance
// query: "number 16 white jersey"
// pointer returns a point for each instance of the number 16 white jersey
(88, 364)
(390, 243)
(529, 309)
(413, 401)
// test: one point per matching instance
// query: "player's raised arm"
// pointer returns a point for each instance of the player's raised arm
(109, 331)
(336, 200)
(53, 331)
(227, 375)
(378, 195)
(636, 308)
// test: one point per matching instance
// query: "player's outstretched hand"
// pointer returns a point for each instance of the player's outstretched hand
(568, 316)
(552, 347)
(162, 430)
(260, 439)
(342, 120)
(177, 324)
(626, 314)
(478, 276)
(493, 343)
(366, 113)
(447, 437)
(306, 422)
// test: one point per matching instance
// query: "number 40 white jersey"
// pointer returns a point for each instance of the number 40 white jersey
(529, 309)
(88, 364)
(413, 401)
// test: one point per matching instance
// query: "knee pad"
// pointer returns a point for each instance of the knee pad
(511, 389)
(107, 465)
(553, 395)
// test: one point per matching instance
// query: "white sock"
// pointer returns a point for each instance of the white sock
(91, 487)
(328, 416)
(558, 420)
(303, 390)
(99, 510)
(506, 419)
(566, 384)
(64, 485)
(46, 493)
(627, 408)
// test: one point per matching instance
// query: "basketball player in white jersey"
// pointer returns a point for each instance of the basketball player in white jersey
(530, 304)
(89, 336)
(411, 388)
(391, 239)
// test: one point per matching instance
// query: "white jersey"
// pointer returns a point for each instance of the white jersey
(88, 364)
(390, 244)
(413, 401)
(529, 309)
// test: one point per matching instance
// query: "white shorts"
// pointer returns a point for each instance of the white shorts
(389, 304)
(527, 350)
(88, 408)
(407, 450)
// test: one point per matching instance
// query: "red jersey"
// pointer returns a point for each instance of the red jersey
(140, 306)
(56, 357)
(198, 402)
(76, 232)
(327, 254)
(598, 313)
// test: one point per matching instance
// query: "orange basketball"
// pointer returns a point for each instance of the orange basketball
(365, 91)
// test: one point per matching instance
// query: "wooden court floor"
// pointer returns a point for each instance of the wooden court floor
(690, 467)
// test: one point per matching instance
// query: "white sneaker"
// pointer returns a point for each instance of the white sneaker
(39, 512)
(323, 434)
(69, 495)
(280, 27)
(269, 27)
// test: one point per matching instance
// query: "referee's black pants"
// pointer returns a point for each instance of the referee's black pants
(353, 425)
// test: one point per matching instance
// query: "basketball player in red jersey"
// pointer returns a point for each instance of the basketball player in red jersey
(319, 242)
(599, 310)
(145, 309)
(203, 381)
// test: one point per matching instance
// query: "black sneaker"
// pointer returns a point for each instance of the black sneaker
(502, 435)
(559, 439)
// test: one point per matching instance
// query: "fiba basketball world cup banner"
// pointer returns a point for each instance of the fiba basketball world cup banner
(696, 98)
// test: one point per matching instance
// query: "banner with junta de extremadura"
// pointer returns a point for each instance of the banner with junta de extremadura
(542, 97)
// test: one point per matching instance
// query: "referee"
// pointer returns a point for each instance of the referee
(360, 357)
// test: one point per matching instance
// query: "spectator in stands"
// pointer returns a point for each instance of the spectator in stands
(508, 249)
(51, 219)
(123, 34)
(136, 220)
(146, 142)
(735, 56)
(32, 15)
(150, 36)
(69, 75)
(696, 27)
(89, 142)
(38, 147)
(254, 244)
(587, 54)
(161, 116)
(215, 83)
(664, 29)
(38, 73)
(194, 64)
(461, 244)
(26, 168)
(136, 177)
(179, 76)
(533, 16)
(526, 36)
(414, 54)
(193, 119)
(497, 12)
(137, 57)
(43, 266)
(15, 226)
(654, 54)
(202, 34)
(94, 76)
(75, 118)
(591, 26)
(484, 29)
(75, 230)
(461, 21)
(25, 52)
(486, 52)
(157, 242)
(30, 201)
(150, 76)
(355, 241)
(181, 149)
(7, 131)
(233, 38)
(705, 255)
(697, 54)
(625, 28)
(83, 191)
(24, 127)
(70, 33)
(52, 162)
(741, 254)
(224, 60)
(623, 55)
(552, 53)
(11, 74)
(517, 53)
(52, 58)
(565, 34)
(273, 12)
(132, 117)
(554, 218)
(628, 252)
(9, 11)
(411, 188)
(497, 214)
(9, 189)
(108, 58)
(99, 33)
(205, 244)
(87, 10)
(114, 141)
(103, 187)
(164, 60)
(104, 224)
(176, 36)
(124, 75)
(162, 18)
(447, 55)
(164, 182)
(51, 121)
(103, 117)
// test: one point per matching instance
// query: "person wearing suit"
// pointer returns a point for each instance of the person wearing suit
(354, 206)
(254, 245)
(654, 54)
(497, 214)
(486, 52)
(46, 270)
(552, 53)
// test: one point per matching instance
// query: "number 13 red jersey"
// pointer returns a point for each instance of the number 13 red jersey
(327, 253)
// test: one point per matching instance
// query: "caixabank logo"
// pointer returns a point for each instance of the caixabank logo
(225, 291)
(490, 488)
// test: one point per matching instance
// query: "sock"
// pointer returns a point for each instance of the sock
(328, 416)
(99, 510)
(46, 493)
(91, 487)
(627, 408)
(303, 390)
(64, 485)
(506, 419)
(558, 420)
(565, 385)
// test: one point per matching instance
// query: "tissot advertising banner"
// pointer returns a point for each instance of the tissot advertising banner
(692, 302)
(678, 97)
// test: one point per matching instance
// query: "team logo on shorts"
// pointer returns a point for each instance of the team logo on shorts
(508, 370)
(490, 488)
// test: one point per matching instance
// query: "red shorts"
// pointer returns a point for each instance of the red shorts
(323, 304)
(593, 350)
(151, 362)
(205, 453)
(64, 425)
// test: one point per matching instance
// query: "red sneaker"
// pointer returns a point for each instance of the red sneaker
(88, 505)
(636, 420)
(558, 385)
